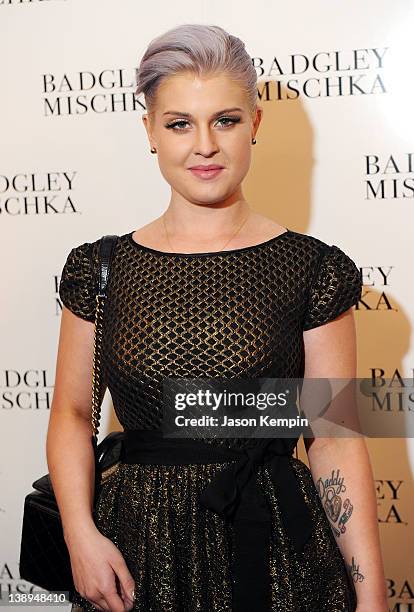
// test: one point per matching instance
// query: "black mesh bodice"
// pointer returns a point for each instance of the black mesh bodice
(238, 313)
(232, 314)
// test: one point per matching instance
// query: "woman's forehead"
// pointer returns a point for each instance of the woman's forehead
(186, 92)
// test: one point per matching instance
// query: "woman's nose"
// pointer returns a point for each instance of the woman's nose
(205, 142)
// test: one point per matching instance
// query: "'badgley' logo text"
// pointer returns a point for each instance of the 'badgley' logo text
(325, 74)
(389, 177)
(42, 193)
(105, 91)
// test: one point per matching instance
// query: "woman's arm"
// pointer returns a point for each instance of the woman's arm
(68, 446)
(342, 471)
(95, 560)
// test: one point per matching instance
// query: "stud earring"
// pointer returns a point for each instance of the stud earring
(153, 150)
(254, 140)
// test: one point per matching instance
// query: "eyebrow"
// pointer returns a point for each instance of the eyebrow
(225, 110)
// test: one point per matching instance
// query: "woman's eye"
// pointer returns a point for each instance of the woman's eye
(178, 125)
(230, 120)
(175, 123)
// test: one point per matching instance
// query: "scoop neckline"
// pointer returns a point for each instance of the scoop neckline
(251, 247)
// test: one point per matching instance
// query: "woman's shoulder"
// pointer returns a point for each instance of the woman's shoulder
(79, 278)
(309, 241)
(310, 246)
(333, 279)
(84, 254)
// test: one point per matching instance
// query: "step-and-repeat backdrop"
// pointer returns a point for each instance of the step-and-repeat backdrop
(334, 159)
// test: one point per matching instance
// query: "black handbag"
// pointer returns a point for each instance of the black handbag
(44, 557)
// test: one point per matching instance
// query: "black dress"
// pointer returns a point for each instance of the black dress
(237, 313)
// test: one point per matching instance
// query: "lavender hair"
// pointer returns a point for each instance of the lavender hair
(200, 49)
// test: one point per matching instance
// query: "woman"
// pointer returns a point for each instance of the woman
(210, 289)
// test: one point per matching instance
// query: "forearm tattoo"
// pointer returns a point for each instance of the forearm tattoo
(337, 506)
(354, 571)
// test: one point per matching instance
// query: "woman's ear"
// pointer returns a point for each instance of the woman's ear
(147, 124)
(257, 119)
(145, 121)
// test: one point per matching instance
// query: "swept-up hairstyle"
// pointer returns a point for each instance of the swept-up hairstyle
(204, 50)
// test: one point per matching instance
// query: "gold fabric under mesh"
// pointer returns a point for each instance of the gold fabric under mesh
(238, 313)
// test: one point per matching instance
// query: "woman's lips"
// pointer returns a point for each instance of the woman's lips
(206, 174)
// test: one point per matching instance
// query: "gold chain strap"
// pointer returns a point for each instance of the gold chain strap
(96, 371)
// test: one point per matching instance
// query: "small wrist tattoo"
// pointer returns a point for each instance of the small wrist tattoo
(354, 571)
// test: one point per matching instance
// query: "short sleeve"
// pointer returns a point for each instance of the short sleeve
(335, 288)
(77, 288)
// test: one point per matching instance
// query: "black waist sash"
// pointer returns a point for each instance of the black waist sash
(235, 495)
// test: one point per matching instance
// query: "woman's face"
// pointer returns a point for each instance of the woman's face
(199, 122)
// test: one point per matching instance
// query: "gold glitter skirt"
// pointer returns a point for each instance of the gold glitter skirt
(180, 554)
